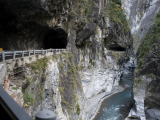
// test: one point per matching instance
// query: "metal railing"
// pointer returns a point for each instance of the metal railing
(10, 107)
(22, 53)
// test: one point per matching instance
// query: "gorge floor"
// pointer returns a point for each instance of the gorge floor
(117, 106)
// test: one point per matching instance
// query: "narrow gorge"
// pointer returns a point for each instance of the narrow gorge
(105, 43)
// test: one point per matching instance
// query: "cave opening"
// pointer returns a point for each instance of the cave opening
(55, 39)
(116, 48)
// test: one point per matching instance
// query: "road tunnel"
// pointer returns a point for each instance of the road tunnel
(55, 38)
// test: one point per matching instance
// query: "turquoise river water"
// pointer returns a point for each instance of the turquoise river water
(117, 106)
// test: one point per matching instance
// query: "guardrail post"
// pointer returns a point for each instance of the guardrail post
(3, 56)
(14, 54)
(29, 53)
(34, 52)
(22, 53)
(45, 115)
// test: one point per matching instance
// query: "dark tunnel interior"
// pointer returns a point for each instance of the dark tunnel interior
(55, 38)
(23, 28)
(116, 48)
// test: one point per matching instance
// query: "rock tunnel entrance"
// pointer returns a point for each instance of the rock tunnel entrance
(116, 48)
(23, 27)
(55, 38)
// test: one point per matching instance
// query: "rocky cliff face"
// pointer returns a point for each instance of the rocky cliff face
(140, 15)
(99, 49)
(143, 17)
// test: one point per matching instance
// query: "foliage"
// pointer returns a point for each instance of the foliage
(74, 84)
(91, 61)
(54, 58)
(137, 81)
(69, 83)
(61, 65)
(28, 82)
(78, 109)
(88, 5)
(117, 15)
(148, 41)
(64, 102)
(80, 67)
(73, 13)
(28, 98)
(29, 79)
(14, 88)
(152, 76)
(61, 90)
(75, 97)
(40, 92)
(73, 70)
(39, 64)
(70, 55)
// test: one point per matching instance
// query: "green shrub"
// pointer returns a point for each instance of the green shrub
(74, 84)
(40, 92)
(73, 13)
(137, 81)
(78, 109)
(75, 97)
(14, 88)
(64, 102)
(148, 41)
(61, 90)
(88, 6)
(28, 98)
(39, 64)
(61, 65)
(117, 15)
(70, 55)
(54, 58)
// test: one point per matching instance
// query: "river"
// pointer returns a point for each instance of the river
(117, 106)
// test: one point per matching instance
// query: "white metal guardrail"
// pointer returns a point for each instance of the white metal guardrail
(22, 53)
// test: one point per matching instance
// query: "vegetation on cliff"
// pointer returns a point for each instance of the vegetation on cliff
(28, 98)
(149, 40)
(117, 15)
(69, 83)
(39, 64)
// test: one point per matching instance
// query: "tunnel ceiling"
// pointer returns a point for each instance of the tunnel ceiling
(24, 25)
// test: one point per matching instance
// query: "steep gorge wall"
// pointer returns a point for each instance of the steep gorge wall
(99, 45)
(140, 15)
(143, 17)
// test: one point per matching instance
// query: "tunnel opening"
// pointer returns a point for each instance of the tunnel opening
(116, 48)
(24, 27)
(55, 39)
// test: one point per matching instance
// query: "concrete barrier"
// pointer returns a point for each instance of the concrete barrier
(3, 70)
(45, 115)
